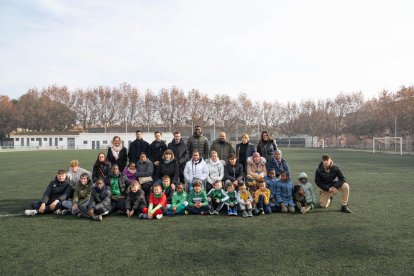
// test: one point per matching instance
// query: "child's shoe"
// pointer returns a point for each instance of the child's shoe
(249, 213)
(235, 212)
(66, 212)
(58, 212)
(30, 212)
(261, 211)
(97, 218)
(80, 215)
(143, 216)
(229, 212)
(159, 216)
(303, 210)
(244, 214)
(206, 213)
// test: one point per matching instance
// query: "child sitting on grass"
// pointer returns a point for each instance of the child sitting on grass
(56, 192)
(167, 189)
(245, 200)
(232, 201)
(178, 202)
(135, 200)
(300, 199)
(271, 183)
(100, 202)
(81, 196)
(308, 189)
(197, 200)
(284, 193)
(217, 197)
(130, 172)
(262, 199)
(157, 204)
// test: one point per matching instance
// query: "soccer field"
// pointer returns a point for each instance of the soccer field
(376, 238)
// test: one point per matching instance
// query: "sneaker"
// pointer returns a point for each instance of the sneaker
(249, 213)
(261, 211)
(30, 212)
(97, 218)
(303, 210)
(211, 212)
(159, 216)
(142, 216)
(244, 214)
(186, 212)
(235, 212)
(229, 212)
(345, 209)
(58, 212)
(205, 213)
(66, 212)
(80, 215)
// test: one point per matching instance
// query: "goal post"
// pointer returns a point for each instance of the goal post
(387, 144)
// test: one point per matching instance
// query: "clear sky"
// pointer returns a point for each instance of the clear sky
(271, 50)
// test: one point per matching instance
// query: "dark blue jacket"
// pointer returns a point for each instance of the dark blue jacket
(325, 179)
(135, 149)
(278, 167)
(156, 150)
(249, 152)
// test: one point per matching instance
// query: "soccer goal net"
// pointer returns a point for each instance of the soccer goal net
(387, 144)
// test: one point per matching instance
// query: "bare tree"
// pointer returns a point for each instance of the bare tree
(84, 104)
(173, 104)
(150, 109)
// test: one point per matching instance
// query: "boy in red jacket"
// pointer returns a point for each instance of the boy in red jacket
(157, 204)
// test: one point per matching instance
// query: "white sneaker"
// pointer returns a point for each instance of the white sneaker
(159, 216)
(30, 212)
(58, 212)
(303, 210)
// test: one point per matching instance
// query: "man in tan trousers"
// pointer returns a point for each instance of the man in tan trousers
(330, 180)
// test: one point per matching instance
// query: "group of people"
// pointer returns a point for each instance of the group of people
(153, 180)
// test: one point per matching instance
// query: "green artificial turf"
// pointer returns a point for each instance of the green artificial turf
(377, 238)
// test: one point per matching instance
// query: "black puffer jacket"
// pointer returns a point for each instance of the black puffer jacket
(180, 151)
(266, 149)
(328, 178)
(233, 173)
(170, 169)
(100, 199)
(156, 150)
(135, 201)
(57, 190)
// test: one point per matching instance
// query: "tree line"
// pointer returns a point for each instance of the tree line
(56, 108)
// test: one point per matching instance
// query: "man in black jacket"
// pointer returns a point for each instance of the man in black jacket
(56, 192)
(179, 149)
(136, 147)
(330, 180)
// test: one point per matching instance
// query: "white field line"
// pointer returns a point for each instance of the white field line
(10, 215)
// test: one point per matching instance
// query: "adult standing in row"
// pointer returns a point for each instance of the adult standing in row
(117, 154)
(179, 148)
(222, 146)
(156, 149)
(198, 142)
(244, 150)
(138, 146)
(267, 146)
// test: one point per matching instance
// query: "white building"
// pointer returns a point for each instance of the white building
(76, 140)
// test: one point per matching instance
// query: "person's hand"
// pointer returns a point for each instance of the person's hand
(217, 200)
(235, 182)
(149, 215)
(75, 207)
(113, 197)
(209, 199)
(333, 190)
(231, 204)
(172, 186)
(91, 212)
(53, 205)
(156, 163)
(197, 205)
(131, 213)
(248, 202)
(42, 208)
(282, 205)
(174, 209)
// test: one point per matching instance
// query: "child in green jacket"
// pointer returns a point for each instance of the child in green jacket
(178, 202)
(232, 201)
(217, 197)
(197, 200)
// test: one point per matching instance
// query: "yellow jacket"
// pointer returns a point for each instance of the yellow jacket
(266, 194)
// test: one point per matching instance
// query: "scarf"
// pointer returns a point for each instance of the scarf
(131, 171)
(167, 161)
(115, 151)
(157, 196)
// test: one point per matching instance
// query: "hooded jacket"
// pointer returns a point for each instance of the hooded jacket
(57, 190)
(100, 199)
(308, 188)
(215, 170)
(123, 182)
(168, 168)
(266, 149)
(82, 193)
(180, 151)
(223, 148)
(197, 169)
(74, 177)
(135, 201)
(284, 193)
(327, 178)
(200, 143)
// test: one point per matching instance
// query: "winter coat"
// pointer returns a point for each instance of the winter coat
(326, 179)
(180, 151)
(266, 149)
(249, 152)
(135, 201)
(242, 198)
(284, 193)
(194, 197)
(309, 192)
(135, 149)
(196, 170)
(122, 158)
(100, 200)
(123, 182)
(178, 199)
(145, 168)
(57, 190)
(215, 170)
(156, 150)
(232, 198)
(199, 143)
(233, 173)
(223, 149)
(101, 170)
(266, 195)
(82, 193)
(74, 177)
(278, 166)
(168, 192)
(171, 169)
(218, 194)
(271, 184)
(256, 170)
(131, 176)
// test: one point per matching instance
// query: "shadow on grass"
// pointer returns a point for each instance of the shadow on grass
(15, 206)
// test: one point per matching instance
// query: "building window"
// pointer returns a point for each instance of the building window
(44, 139)
(85, 142)
(60, 139)
(31, 139)
(104, 142)
(16, 139)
